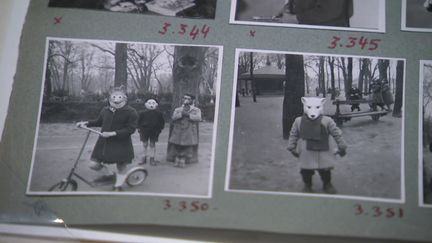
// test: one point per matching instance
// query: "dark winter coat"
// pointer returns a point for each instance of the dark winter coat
(117, 148)
(316, 159)
(151, 122)
(185, 129)
(324, 12)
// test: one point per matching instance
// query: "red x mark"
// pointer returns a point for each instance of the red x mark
(252, 33)
(57, 20)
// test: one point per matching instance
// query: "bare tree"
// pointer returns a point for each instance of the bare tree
(294, 90)
(397, 109)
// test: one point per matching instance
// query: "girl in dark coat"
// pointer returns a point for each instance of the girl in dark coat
(118, 122)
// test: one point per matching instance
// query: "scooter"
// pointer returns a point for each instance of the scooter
(133, 177)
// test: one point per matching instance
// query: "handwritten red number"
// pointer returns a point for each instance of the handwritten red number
(401, 213)
(194, 32)
(377, 211)
(374, 44)
(334, 43)
(167, 204)
(164, 28)
(183, 206)
(390, 213)
(195, 206)
(204, 207)
(183, 29)
(363, 42)
(359, 209)
(352, 42)
(205, 30)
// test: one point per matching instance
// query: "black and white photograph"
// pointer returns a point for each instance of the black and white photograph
(352, 15)
(417, 15)
(425, 134)
(126, 118)
(201, 9)
(317, 125)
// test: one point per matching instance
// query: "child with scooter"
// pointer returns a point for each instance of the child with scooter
(118, 122)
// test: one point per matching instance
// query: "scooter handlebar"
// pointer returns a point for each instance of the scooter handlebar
(90, 129)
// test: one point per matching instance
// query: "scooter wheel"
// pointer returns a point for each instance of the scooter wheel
(64, 185)
(136, 177)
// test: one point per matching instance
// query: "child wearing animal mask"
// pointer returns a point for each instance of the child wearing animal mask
(118, 122)
(150, 125)
(309, 142)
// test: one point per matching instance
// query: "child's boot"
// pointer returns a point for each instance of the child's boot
(307, 180)
(153, 161)
(325, 175)
(143, 161)
(182, 163)
(95, 166)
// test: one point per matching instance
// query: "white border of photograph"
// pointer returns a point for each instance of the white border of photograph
(420, 136)
(313, 195)
(215, 126)
(381, 24)
(403, 21)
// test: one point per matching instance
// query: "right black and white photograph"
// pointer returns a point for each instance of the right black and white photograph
(425, 135)
(417, 15)
(317, 125)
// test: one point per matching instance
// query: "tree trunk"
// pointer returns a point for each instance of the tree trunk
(382, 68)
(321, 77)
(187, 72)
(349, 74)
(294, 90)
(48, 86)
(254, 89)
(331, 61)
(120, 76)
(397, 109)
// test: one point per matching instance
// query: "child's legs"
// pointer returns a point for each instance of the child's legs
(325, 175)
(121, 174)
(152, 148)
(145, 145)
(307, 176)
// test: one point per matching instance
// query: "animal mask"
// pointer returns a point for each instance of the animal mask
(117, 98)
(151, 104)
(313, 106)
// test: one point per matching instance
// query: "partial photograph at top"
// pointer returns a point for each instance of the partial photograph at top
(353, 15)
(417, 15)
(203, 9)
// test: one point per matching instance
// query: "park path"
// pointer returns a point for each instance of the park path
(260, 161)
(59, 144)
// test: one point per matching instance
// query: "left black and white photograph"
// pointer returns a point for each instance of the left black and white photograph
(201, 9)
(126, 118)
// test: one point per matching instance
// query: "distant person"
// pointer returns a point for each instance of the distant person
(387, 95)
(376, 95)
(183, 138)
(355, 94)
(324, 12)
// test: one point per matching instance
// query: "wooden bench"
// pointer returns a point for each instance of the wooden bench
(340, 118)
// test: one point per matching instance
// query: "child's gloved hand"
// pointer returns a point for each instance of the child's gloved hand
(294, 153)
(108, 134)
(341, 152)
(82, 124)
